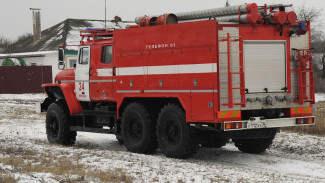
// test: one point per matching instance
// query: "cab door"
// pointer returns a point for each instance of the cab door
(102, 79)
(82, 74)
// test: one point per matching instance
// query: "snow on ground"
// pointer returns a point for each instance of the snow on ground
(26, 97)
(320, 97)
(292, 157)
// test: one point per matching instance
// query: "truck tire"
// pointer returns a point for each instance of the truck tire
(138, 130)
(214, 140)
(57, 124)
(174, 134)
(118, 134)
(119, 138)
(253, 146)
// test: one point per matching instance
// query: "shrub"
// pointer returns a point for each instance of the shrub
(8, 62)
(14, 62)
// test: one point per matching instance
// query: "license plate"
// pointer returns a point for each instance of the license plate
(256, 125)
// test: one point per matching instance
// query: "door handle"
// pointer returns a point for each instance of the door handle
(114, 71)
(89, 71)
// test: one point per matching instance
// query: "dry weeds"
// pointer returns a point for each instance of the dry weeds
(7, 178)
(62, 168)
(319, 128)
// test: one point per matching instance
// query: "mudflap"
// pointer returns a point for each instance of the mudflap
(46, 103)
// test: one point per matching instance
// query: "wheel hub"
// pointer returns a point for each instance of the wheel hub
(136, 129)
(172, 133)
(54, 127)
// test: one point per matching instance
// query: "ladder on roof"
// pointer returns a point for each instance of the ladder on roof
(92, 34)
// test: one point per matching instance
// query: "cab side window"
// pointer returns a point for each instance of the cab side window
(107, 55)
(84, 56)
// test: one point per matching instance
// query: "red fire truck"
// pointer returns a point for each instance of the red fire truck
(183, 81)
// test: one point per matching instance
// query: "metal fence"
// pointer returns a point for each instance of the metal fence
(24, 79)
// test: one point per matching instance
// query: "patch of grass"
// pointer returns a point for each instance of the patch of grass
(16, 151)
(63, 168)
(21, 114)
(12, 160)
(114, 175)
(7, 178)
(319, 128)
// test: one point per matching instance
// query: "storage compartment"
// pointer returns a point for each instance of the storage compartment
(265, 66)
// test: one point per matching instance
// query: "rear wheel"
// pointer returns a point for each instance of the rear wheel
(254, 146)
(57, 124)
(174, 134)
(118, 133)
(138, 130)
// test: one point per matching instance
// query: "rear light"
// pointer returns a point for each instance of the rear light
(235, 125)
(230, 126)
(299, 121)
(305, 121)
(310, 120)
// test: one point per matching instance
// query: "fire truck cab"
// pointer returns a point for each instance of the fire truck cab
(179, 86)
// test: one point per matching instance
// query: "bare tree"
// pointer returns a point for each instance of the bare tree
(4, 43)
(314, 15)
(309, 13)
(23, 37)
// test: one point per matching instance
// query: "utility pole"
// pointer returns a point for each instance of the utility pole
(323, 59)
(105, 14)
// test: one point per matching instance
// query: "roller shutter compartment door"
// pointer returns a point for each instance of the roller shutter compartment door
(265, 66)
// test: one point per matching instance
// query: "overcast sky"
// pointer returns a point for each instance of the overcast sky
(16, 18)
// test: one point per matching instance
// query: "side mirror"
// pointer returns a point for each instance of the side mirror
(61, 65)
(61, 55)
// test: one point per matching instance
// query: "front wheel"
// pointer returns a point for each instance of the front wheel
(57, 124)
(174, 134)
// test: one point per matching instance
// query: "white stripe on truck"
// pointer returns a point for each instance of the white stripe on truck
(167, 69)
